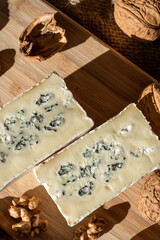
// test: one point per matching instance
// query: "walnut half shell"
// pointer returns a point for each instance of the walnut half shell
(138, 18)
(42, 38)
(149, 104)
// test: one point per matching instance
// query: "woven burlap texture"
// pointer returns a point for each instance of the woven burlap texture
(97, 16)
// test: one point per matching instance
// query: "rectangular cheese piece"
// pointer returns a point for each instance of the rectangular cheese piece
(36, 124)
(101, 164)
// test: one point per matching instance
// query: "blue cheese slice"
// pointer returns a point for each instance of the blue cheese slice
(36, 124)
(101, 164)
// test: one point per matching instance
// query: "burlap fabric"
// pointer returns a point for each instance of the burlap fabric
(97, 16)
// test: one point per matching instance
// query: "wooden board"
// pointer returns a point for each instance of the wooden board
(102, 81)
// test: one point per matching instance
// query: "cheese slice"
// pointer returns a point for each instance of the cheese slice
(101, 164)
(36, 124)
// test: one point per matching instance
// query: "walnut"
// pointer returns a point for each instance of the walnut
(34, 202)
(149, 104)
(21, 201)
(42, 38)
(22, 228)
(80, 233)
(90, 231)
(138, 18)
(149, 200)
(26, 209)
(14, 212)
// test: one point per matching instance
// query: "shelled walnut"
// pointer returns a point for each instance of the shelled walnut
(149, 200)
(42, 38)
(139, 18)
(149, 104)
(90, 231)
(31, 223)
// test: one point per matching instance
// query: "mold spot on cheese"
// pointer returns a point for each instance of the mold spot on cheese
(86, 190)
(126, 129)
(9, 122)
(55, 123)
(44, 98)
(51, 107)
(3, 157)
(65, 169)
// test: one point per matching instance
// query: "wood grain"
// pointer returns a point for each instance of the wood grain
(101, 80)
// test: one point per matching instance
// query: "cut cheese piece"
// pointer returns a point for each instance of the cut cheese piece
(101, 164)
(37, 124)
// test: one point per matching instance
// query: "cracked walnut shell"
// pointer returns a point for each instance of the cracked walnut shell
(42, 38)
(138, 18)
(149, 200)
(149, 104)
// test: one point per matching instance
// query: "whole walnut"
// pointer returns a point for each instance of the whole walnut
(138, 18)
(149, 200)
(149, 104)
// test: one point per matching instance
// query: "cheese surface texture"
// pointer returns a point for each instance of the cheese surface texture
(101, 164)
(36, 124)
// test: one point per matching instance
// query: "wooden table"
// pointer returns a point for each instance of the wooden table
(101, 80)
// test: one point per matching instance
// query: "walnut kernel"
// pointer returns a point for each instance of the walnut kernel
(26, 209)
(91, 231)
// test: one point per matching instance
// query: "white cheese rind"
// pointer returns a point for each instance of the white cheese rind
(36, 124)
(101, 164)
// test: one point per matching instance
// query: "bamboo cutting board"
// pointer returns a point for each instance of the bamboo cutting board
(102, 81)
